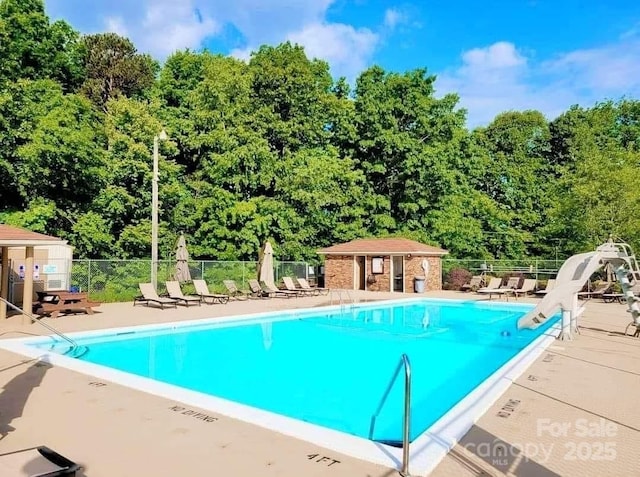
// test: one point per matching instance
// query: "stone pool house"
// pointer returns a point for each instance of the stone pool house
(383, 264)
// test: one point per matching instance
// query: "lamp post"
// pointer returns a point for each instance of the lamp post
(154, 209)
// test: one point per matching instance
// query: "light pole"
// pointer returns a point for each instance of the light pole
(154, 210)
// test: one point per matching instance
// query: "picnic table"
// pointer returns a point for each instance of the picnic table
(52, 302)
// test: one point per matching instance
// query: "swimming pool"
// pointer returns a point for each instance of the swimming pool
(327, 367)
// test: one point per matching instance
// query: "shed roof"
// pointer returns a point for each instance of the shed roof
(382, 246)
(18, 237)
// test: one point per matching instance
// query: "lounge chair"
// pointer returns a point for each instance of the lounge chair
(203, 290)
(493, 284)
(474, 284)
(550, 284)
(175, 292)
(257, 291)
(289, 285)
(528, 286)
(504, 290)
(38, 462)
(597, 293)
(304, 284)
(268, 290)
(149, 295)
(234, 292)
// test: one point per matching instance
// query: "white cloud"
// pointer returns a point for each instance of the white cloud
(160, 27)
(346, 48)
(393, 17)
(115, 25)
(499, 55)
(168, 26)
(500, 78)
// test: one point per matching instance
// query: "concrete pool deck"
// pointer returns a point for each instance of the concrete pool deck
(573, 412)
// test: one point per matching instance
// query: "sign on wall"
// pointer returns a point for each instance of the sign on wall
(377, 265)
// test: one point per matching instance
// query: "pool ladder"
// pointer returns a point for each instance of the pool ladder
(343, 297)
(75, 350)
(406, 418)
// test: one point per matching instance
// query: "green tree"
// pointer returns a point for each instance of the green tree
(599, 186)
(31, 48)
(114, 67)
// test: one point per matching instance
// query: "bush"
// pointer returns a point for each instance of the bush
(456, 278)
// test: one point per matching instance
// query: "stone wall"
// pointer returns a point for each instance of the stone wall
(338, 271)
(413, 268)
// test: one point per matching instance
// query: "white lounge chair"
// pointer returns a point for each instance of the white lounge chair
(527, 287)
(203, 290)
(304, 284)
(150, 295)
(175, 292)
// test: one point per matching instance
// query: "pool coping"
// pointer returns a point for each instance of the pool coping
(426, 451)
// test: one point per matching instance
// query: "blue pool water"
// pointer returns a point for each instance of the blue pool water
(332, 368)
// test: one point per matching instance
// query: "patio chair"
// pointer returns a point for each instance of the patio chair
(304, 284)
(203, 290)
(597, 293)
(234, 292)
(493, 284)
(289, 285)
(257, 291)
(611, 297)
(175, 292)
(149, 295)
(550, 284)
(37, 462)
(474, 284)
(528, 286)
(271, 290)
(504, 290)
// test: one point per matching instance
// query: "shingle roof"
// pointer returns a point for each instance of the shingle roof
(382, 246)
(17, 237)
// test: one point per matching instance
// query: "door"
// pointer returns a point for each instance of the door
(398, 273)
(360, 273)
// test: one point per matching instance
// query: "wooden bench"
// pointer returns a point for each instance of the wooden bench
(65, 302)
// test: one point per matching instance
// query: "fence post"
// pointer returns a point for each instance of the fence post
(89, 276)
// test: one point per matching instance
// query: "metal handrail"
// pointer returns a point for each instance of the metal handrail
(339, 292)
(406, 421)
(49, 327)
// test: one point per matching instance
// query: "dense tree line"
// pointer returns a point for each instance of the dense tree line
(276, 148)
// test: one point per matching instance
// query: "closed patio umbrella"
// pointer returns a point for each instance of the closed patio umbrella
(182, 258)
(265, 264)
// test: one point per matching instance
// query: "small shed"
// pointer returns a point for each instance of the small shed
(21, 264)
(383, 264)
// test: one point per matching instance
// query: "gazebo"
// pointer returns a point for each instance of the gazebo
(14, 237)
(383, 264)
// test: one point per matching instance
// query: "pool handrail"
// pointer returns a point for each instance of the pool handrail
(35, 319)
(406, 420)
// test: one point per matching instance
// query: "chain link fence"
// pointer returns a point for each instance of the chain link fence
(117, 280)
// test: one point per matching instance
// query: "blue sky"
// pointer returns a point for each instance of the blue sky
(497, 55)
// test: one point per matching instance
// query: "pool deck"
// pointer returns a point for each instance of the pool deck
(573, 412)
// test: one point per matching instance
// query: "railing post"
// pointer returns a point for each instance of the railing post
(89, 276)
(406, 425)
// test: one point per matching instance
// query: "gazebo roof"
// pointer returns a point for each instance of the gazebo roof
(383, 246)
(18, 237)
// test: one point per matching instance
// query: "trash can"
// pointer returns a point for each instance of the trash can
(418, 284)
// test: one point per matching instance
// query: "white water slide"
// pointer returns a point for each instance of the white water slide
(572, 277)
